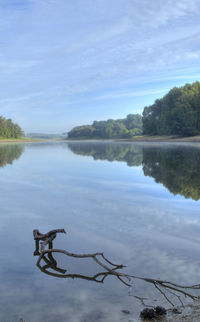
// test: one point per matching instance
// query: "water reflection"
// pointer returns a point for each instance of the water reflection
(173, 293)
(107, 207)
(131, 154)
(51, 263)
(176, 167)
(9, 153)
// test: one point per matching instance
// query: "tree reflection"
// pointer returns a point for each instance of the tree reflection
(176, 167)
(9, 153)
(130, 154)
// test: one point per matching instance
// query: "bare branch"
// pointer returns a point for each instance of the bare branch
(162, 286)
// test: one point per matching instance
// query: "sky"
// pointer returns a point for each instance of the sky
(65, 63)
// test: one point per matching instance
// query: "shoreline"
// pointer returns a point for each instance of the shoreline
(27, 140)
(142, 139)
(171, 139)
(18, 141)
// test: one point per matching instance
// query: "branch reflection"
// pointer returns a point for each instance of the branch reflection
(51, 263)
(170, 291)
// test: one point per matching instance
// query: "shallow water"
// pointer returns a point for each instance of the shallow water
(139, 204)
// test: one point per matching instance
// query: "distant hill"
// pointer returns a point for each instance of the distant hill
(110, 129)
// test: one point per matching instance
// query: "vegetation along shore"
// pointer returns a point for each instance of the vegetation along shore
(173, 117)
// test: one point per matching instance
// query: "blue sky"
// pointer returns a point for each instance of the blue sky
(65, 63)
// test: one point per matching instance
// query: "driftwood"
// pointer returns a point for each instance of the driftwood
(165, 288)
(47, 239)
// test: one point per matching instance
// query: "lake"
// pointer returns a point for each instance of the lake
(137, 203)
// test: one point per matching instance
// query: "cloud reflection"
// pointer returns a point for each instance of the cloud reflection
(105, 206)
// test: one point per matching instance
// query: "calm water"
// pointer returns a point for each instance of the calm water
(139, 204)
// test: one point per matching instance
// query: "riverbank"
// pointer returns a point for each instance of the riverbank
(146, 138)
(19, 140)
(190, 313)
(142, 138)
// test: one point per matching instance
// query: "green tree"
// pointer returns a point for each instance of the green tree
(8, 129)
(178, 112)
(121, 128)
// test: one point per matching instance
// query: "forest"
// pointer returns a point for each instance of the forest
(8, 129)
(177, 113)
(121, 128)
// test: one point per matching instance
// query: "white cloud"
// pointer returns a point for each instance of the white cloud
(129, 94)
(68, 51)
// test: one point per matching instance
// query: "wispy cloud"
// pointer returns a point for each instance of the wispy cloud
(72, 52)
(129, 94)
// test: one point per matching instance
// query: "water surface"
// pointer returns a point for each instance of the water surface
(139, 204)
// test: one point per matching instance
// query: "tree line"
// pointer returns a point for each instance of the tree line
(177, 113)
(8, 129)
(121, 128)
